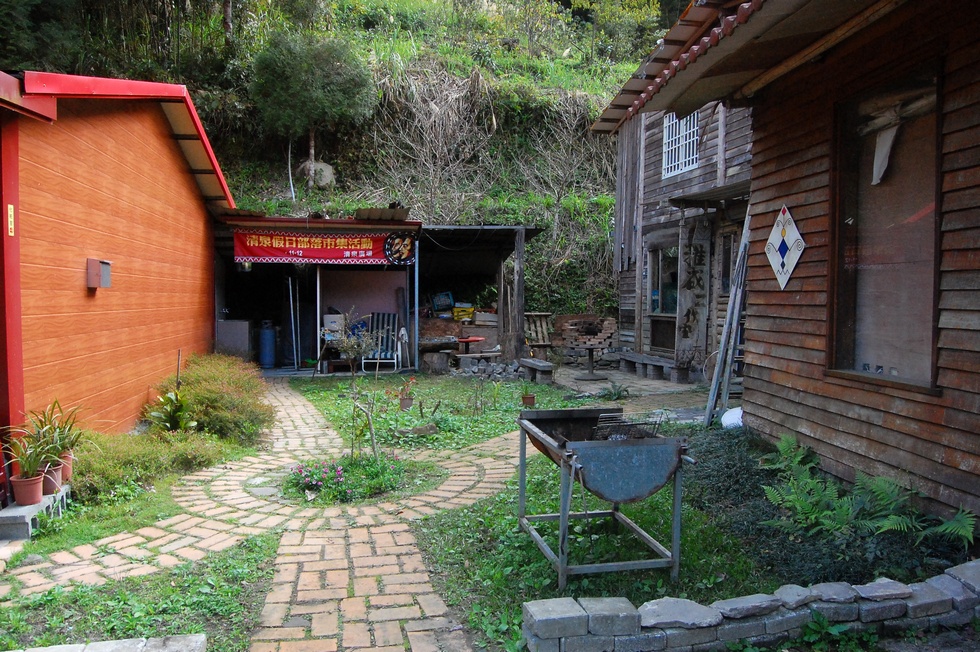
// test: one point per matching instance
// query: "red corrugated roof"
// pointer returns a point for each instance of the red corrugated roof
(41, 90)
(701, 27)
(722, 50)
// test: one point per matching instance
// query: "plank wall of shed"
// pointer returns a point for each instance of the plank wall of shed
(922, 440)
(647, 198)
(107, 180)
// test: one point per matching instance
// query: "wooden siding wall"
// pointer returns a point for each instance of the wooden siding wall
(651, 199)
(928, 442)
(108, 181)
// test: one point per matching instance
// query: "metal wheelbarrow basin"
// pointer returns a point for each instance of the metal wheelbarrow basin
(618, 458)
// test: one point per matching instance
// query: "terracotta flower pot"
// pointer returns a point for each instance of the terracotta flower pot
(405, 403)
(27, 491)
(67, 460)
(52, 480)
(528, 400)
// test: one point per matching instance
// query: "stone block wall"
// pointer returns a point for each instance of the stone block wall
(884, 606)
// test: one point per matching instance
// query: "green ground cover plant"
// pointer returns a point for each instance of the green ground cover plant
(220, 596)
(359, 478)
(126, 508)
(448, 412)
(122, 482)
(108, 462)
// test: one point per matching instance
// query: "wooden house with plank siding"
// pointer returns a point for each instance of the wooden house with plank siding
(866, 128)
(107, 256)
(682, 192)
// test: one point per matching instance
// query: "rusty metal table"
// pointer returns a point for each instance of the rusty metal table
(466, 341)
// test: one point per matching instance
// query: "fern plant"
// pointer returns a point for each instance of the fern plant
(816, 505)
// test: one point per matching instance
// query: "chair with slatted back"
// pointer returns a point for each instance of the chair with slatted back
(386, 345)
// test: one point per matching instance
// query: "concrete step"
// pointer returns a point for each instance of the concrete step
(18, 521)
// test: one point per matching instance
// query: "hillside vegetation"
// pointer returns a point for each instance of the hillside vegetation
(476, 113)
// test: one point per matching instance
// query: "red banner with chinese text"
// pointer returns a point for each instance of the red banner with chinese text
(253, 246)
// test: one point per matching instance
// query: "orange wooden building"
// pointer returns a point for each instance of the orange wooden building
(107, 257)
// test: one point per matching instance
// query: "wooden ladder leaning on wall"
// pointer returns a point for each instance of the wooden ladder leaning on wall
(722, 377)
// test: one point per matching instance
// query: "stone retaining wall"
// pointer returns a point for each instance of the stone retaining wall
(884, 606)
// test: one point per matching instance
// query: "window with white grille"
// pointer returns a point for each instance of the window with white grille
(680, 144)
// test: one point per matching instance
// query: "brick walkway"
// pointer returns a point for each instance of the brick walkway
(346, 578)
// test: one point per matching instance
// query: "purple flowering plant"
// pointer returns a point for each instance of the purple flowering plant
(345, 480)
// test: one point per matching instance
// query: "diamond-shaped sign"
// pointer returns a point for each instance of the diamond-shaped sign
(784, 247)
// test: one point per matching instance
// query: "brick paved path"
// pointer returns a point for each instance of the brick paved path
(346, 578)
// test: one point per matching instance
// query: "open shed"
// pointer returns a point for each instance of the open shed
(290, 288)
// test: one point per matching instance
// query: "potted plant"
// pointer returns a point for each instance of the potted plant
(33, 454)
(405, 397)
(527, 393)
(61, 429)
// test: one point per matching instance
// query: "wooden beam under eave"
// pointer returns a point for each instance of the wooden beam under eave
(857, 23)
(516, 318)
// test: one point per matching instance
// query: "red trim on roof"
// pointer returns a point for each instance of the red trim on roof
(45, 108)
(56, 85)
(699, 49)
(59, 85)
(666, 69)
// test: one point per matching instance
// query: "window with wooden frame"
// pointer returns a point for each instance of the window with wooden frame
(680, 144)
(662, 288)
(887, 254)
(663, 281)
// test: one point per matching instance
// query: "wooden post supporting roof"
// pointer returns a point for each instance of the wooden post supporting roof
(515, 320)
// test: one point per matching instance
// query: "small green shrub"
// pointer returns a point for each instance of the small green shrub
(728, 482)
(820, 635)
(817, 504)
(171, 414)
(110, 462)
(615, 392)
(223, 395)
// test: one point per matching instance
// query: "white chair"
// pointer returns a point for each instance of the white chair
(386, 343)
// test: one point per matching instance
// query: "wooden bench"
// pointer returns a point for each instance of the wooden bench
(645, 366)
(539, 371)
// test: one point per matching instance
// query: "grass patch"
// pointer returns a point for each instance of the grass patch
(110, 463)
(361, 478)
(485, 566)
(220, 596)
(449, 412)
(127, 508)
